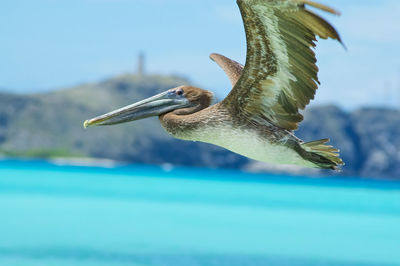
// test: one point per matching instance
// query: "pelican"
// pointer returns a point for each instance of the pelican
(259, 116)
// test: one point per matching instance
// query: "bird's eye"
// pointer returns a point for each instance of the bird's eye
(179, 92)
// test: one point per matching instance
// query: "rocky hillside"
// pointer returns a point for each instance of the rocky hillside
(50, 125)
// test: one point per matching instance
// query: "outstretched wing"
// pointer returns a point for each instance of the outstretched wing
(280, 76)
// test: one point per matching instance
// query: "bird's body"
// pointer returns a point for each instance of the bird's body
(258, 117)
(217, 126)
(258, 141)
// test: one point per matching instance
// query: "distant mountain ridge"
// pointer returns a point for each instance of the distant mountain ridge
(50, 125)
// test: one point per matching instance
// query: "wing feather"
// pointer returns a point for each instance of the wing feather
(232, 68)
(280, 76)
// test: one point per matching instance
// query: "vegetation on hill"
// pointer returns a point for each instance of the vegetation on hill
(50, 125)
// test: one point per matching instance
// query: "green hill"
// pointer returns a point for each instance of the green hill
(50, 125)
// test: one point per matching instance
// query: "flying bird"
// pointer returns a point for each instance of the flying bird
(258, 118)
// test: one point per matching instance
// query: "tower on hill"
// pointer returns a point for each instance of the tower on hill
(141, 64)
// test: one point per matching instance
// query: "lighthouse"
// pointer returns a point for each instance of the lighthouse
(140, 64)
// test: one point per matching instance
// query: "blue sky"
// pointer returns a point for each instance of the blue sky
(49, 44)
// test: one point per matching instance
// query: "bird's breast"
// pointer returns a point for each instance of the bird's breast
(250, 143)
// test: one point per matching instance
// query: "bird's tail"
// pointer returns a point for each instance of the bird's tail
(324, 156)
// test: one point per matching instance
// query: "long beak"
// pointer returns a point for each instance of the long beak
(154, 106)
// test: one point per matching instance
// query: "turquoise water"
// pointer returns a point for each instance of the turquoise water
(64, 215)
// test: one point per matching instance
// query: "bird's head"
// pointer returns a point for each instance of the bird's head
(183, 100)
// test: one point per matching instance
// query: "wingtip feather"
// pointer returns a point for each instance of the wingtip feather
(320, 26)
(321, 7)
(214, 56)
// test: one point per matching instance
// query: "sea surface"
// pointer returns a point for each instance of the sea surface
(148, 215)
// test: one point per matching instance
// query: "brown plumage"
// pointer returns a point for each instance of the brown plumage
(231, 68)
(257, 118)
